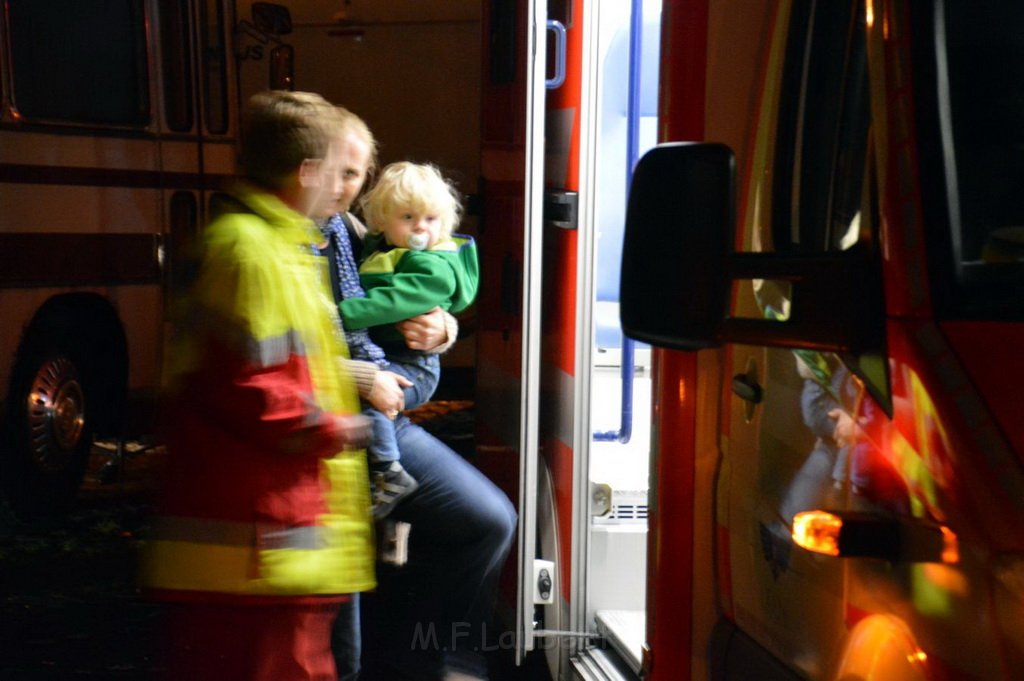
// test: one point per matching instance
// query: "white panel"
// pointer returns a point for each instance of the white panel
(180, 156)
(141, 310)
(78, 210)
(618, 561)
(80, 152)
(219, 157)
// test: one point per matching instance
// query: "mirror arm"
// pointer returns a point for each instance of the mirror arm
(821, 284)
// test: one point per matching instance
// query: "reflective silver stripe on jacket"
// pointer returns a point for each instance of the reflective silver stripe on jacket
(261, 353)
(227, 533)
(273, 351)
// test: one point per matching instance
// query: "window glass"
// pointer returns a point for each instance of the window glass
(824, 197)
(821, 143)
(79, 62)
(215, 80)
(823, 130)
(177, 65)
(850, 209)
(984, 51)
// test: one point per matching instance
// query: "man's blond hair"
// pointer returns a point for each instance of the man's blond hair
(416, 186)
(280, 130)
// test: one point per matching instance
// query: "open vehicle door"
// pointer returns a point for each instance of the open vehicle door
(508, 372)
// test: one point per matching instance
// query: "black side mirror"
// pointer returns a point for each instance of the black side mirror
(679, 268)
(679, 230)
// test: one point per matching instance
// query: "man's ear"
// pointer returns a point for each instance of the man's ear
(309, 173)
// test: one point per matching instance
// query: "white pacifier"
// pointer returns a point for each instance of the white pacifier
(418, 241)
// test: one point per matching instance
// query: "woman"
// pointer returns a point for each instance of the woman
(429, 617)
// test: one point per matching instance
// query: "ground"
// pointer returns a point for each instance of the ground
(71, 609)
(70, 606)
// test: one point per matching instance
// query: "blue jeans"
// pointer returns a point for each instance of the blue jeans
(424, 371)
(431, 614)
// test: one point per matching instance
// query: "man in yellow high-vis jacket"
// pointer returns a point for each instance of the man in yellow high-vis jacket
(264, 524)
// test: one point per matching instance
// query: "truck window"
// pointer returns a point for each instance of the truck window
(177, 65)
(824, 197)
(106, 43)
(984, 54)
(215, 80)
(822, 153)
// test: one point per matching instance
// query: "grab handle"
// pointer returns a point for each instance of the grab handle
(556, 80)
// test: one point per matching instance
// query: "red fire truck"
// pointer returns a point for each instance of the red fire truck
(830, 277)
(117, 122)
(838, 445)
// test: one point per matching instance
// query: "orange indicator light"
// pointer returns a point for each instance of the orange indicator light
(817, 531)
(951, 547)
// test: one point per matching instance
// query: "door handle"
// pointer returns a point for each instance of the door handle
(746, 387)
(558, 79)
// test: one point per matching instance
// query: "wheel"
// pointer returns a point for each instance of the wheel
(49, 430)
(55, 415)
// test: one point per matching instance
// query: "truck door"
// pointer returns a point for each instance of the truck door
(855, 528)
(579, 463)
(509, 305)
(792, 411)
(858, 433)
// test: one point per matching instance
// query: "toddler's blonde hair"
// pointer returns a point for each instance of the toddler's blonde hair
(416, 186)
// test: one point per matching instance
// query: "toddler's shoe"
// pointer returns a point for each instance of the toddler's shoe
(391, 484)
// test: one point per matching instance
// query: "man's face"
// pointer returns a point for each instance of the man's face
(324, 192)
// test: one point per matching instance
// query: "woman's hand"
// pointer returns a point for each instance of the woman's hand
(425, 331)
(387, 396)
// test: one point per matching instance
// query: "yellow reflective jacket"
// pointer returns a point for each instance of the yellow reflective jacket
(258, 501)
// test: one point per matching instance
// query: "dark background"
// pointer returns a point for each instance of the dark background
(70, 606)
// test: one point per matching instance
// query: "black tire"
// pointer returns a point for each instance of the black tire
(50, 422)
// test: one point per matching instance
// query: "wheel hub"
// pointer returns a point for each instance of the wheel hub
(56, 413)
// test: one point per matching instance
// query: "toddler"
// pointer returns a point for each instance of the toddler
(414, 263)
